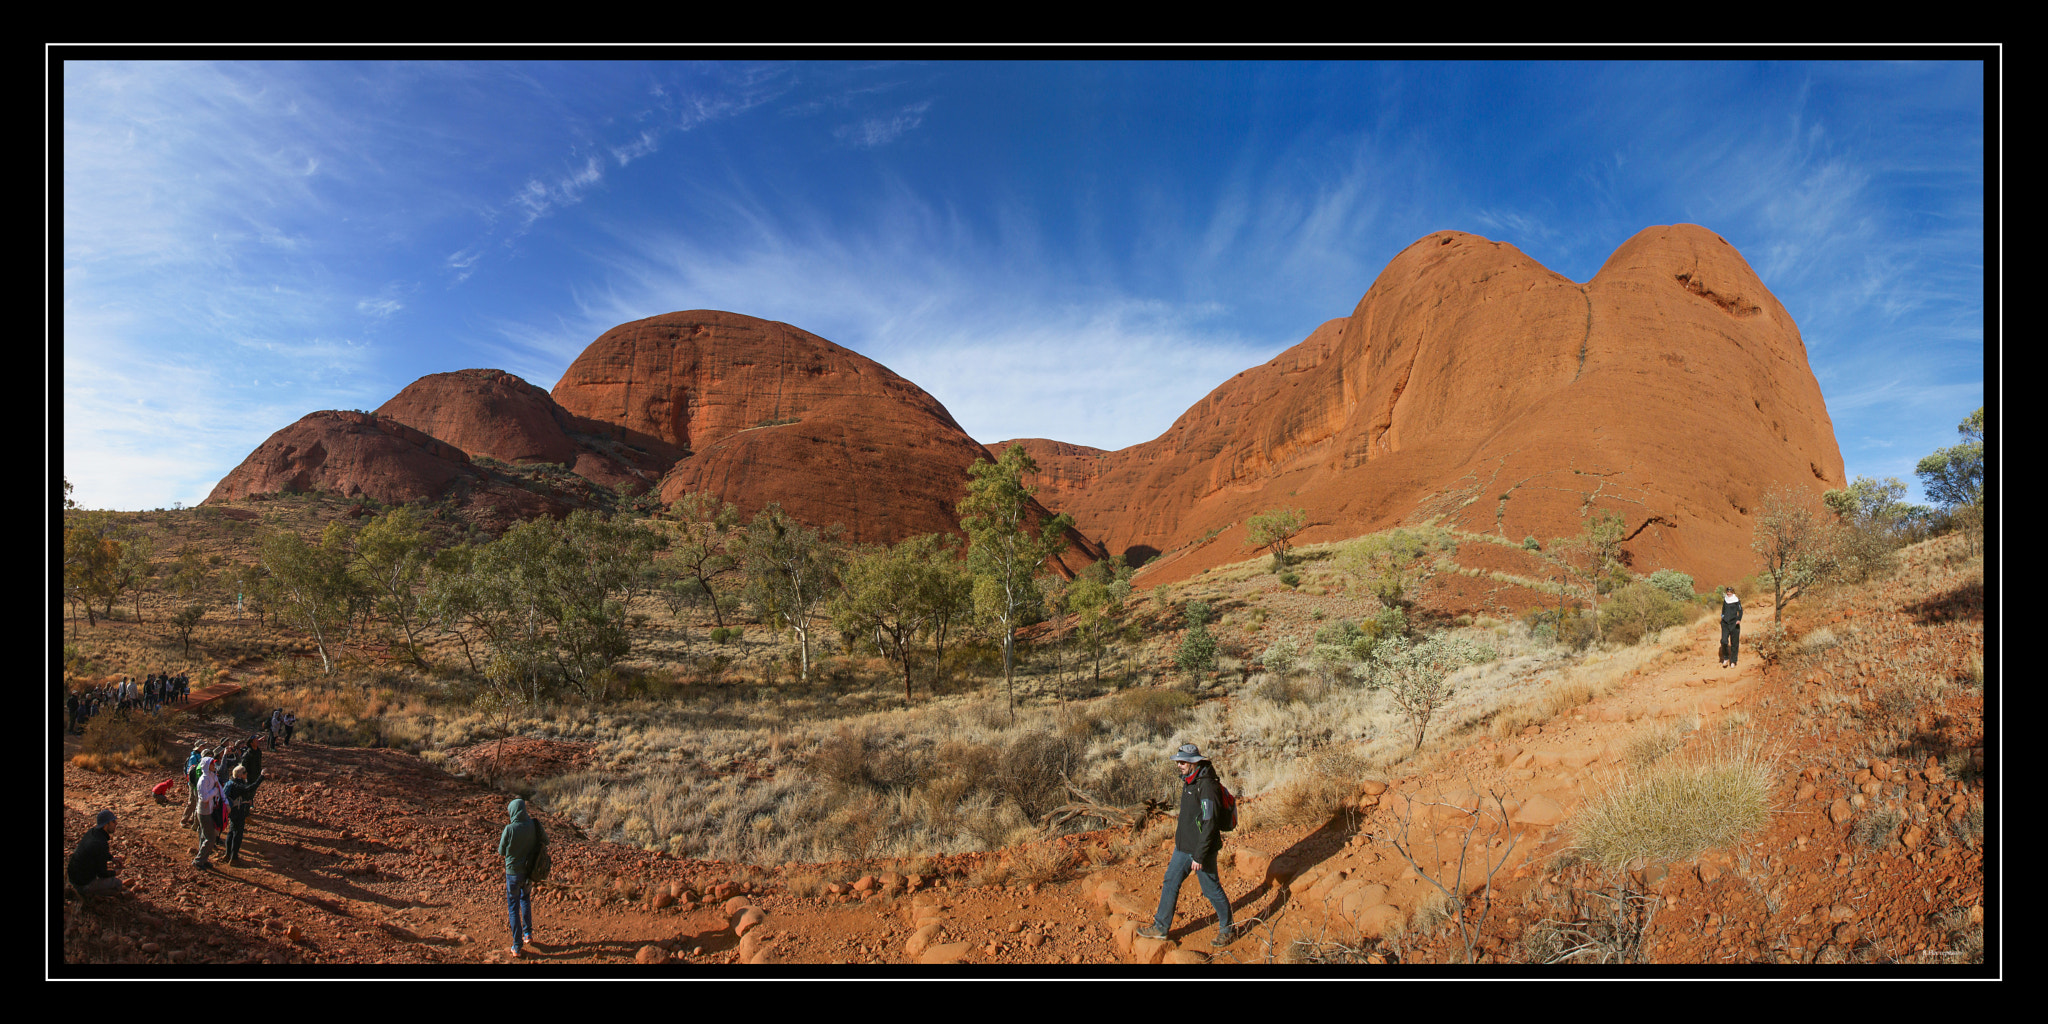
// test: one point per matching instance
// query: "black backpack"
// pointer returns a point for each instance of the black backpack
(1226, 821)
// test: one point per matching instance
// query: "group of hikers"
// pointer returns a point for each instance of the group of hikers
(156, 692)
(220, 781)
(215, 808)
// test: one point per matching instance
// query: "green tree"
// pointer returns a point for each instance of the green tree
(1002, 553)
(391, 556)
(791, 570)
(137, 569)
(885, 599)
(702, 532)
(1197, 650)
(185, 622)
(454, 599)
(679, 593)
(1872, 521)
(1954, 476)
(947, 599)
(253, 588)
(313, 586)
(1416, 676)
(1797, 542)
(1097, 600)
(92, 560)
(1275, 530)
(1593, 558)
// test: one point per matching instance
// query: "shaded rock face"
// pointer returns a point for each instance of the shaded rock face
(359, 454)
(771, 413)
(1472, 384)
(1064, 470)
(491, 413)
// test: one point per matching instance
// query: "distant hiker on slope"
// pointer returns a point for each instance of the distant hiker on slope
(1195, 845)
(1731, 626)
(520, 843)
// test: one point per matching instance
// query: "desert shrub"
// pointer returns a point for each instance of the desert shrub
(1125, 782)
(1569, 628)
(1772, 643)
(1280, 657)
(1530, 543)
(1637, 611)
(1679, 806)
(1034, 767)
(970, 766)
(1284, 690)
(136, 737)
(1197, 651)
(1150, 711)
(1674, 583)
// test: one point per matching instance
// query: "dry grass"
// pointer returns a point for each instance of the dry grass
(1310, 799)
(1649, 746)
(1041, 862)
(1433, 910)
(1566, 696)
(1679, 806)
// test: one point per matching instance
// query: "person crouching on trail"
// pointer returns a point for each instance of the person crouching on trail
(1731, 626)
(1195, 845)
(520, 844)
(93, 866)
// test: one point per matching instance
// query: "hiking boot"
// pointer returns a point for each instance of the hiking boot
(1224, 937)
(528, 941)
(515, 952)
(1152, 931)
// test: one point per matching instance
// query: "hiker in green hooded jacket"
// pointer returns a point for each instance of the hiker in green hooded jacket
(519, 844)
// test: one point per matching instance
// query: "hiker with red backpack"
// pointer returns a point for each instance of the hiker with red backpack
(1207, 810)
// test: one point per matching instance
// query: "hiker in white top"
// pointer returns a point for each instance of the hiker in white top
(1731, 626)
(210, 803)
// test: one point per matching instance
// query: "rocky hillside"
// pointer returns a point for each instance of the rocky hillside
(1473, 384)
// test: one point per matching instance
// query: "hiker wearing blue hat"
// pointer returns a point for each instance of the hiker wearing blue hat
(1195, 845)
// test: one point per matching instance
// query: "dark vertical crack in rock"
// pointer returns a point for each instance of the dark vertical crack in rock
(1584, 341)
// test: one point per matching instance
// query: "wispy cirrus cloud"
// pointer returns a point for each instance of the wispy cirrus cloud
(873, 132)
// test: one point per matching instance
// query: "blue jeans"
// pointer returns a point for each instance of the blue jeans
(1177, 872)
(519, 906)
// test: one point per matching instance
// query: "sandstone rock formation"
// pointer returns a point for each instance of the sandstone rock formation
(1469, 385)
(1472, 384)
(491, 413)
(358, 454)
(771, 413)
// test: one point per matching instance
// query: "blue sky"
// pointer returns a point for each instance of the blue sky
(1053, 249)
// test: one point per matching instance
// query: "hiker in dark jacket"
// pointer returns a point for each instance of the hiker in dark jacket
(1731, 626)
(91, 870)
(1195, 845)
(241, 797)
(253, 760)
(519, 844)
